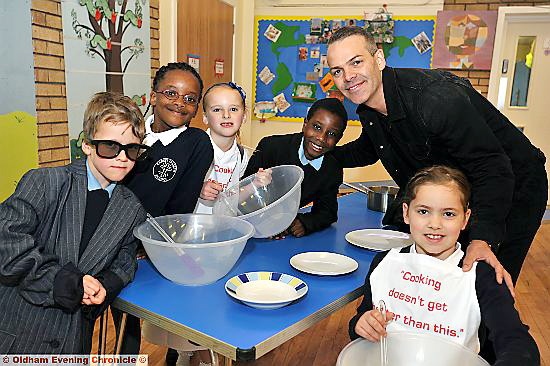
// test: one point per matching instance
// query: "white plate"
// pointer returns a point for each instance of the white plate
(323, 263)
(265, 290)
(378, 239)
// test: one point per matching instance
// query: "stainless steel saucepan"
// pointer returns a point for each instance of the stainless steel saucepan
(379, 198)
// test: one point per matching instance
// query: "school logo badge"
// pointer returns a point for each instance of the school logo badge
(165, 169)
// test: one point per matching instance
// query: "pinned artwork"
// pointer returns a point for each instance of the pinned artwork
(324, 61)
(421, 42)
(302, 53)
(266, 75)
(464, 39)
(316, 26)
(315, 52)
(310, 39)
(304, 92)
(327, 33)
(265, 109)
(281, 102)
(318, 69)
(380, 25)
(312, 76)
(272, 33)
(327, 82)
(336, 24)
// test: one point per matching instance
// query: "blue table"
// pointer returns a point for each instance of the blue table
(208, 316)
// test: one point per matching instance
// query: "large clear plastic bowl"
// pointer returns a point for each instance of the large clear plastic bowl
(409, 349)
(206, 246)
(271, 208)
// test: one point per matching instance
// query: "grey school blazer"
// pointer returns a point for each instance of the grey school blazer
(40, 231)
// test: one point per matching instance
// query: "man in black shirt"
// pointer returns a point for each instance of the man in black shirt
(416, 118)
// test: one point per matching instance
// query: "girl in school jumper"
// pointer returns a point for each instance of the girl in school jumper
(224, 107)
(170, 179)
(224, 113)
(440, 298)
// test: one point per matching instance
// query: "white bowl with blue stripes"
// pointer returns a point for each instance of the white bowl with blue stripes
(265, 290)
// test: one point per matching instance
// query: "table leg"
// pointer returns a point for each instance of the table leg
(105, 320)
(220, 360)
(102, 339)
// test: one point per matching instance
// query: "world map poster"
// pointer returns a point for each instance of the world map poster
(290, 60)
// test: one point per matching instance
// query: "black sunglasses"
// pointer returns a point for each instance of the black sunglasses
(110, 149)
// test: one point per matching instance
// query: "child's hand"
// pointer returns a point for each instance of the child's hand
(297, 228)
(94, 292)
(210, 190)
(371, 325)
(280, 236)
(263, 177)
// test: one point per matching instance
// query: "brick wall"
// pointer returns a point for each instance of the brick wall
(49, 75)
(155, 44)
(480, 79)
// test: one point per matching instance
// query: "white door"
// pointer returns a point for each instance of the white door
(520, 79)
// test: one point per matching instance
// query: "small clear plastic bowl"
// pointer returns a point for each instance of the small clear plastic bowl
(409, 349)
(270, 208)
(206, 246)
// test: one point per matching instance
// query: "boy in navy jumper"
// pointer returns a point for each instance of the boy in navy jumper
(311, 150)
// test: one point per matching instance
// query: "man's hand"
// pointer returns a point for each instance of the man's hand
(210, 190)
(479, 250)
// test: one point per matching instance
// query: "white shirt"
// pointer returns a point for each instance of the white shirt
(165, 137)
(93, 183)
(315, 163)
(226, 169)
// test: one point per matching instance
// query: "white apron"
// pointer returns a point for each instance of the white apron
(429, 295)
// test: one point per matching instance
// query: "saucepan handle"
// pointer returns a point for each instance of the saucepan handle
(364, 190)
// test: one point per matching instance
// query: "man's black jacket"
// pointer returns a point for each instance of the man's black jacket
(435, 117)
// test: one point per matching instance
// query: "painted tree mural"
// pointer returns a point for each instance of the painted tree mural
(108, 20)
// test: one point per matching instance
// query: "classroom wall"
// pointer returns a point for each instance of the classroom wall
(49, 68)
(49, 76)
(256, 129)
(18, 141)
(480, 79)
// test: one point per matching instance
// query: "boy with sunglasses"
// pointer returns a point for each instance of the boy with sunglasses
(66, 243)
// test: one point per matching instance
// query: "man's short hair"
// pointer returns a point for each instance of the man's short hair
(349, 31)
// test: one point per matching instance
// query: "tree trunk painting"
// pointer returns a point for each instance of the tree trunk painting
(108, 20)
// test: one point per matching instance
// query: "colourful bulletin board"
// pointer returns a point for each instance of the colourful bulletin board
(282, 57)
